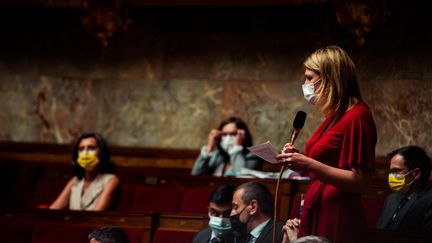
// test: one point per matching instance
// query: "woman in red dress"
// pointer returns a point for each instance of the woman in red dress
(340, 155)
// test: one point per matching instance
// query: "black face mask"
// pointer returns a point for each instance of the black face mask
(239, 228)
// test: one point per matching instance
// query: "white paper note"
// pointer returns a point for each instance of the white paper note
(265, 151)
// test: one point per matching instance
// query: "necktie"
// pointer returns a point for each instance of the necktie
(250, 239)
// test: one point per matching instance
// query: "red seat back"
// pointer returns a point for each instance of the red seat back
(164, 236)
(127, 195)
(195, 200)
(372, 207)
(158, 199)
(47, 191)
(17, 233)
(135, 234)
(60, 232)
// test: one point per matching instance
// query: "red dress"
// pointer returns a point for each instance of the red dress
(349, 143)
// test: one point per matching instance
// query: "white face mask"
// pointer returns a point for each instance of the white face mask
(220, 226)
(227, 142)
(309, 92)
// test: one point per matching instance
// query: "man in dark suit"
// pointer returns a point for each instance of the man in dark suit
(252, 212)
(219, 210)
(409, 208)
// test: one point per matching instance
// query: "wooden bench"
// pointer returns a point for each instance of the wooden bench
(24, 165)
(20, 225)
(145, 222)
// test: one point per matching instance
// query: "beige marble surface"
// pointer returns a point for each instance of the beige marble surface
(165, 88)
(180, 113)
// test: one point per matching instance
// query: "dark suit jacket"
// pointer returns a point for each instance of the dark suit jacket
(415, 215)
(203, 236)
(266, 235)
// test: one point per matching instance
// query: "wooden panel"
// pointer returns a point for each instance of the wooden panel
(37, 153)
(123, 156)
(148, 222)
(130, 219)
(183, 222)
(144, 221)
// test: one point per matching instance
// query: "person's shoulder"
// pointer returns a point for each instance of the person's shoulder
(107, 178)
(394, 196)
(269, 225)
(359, 109)
(358, 113)
(74, 180)
(279, 226)
(427, 195)
(202, 235)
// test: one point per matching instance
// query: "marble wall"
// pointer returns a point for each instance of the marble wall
(161, 84)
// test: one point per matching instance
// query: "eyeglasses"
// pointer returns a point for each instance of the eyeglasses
(398, 173)
(216, 213)
(229, 133)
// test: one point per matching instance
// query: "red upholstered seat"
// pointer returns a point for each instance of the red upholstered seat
(372, 207)
(158, 199)
(195, 200)
(47, 191)
(167, 236)
(60, 232)
(135, 234)
(127, 195)
(17, 233)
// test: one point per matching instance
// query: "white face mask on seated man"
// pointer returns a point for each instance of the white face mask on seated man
(220, 226)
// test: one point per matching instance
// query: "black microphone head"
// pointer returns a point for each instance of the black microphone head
(299, 120)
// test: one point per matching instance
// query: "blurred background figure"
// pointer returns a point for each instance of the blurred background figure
(226, 151)
(94, 186)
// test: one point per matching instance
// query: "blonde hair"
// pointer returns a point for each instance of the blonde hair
(339, 88)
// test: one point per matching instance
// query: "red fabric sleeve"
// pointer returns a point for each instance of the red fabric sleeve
(358, 145)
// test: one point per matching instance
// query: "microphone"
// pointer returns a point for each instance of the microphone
(298, 124)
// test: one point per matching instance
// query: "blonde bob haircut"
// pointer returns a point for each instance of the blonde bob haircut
(339, 89)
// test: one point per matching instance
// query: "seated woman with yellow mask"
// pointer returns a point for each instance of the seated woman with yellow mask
(94, 186)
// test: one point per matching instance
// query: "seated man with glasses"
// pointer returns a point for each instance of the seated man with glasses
(219, 210)
(409, 208)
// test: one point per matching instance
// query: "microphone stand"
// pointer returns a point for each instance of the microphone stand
(293, 138)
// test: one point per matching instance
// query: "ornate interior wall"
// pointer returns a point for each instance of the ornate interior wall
(176, 72)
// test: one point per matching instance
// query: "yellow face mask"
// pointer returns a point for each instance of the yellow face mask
(88, 161)
(398, 183)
